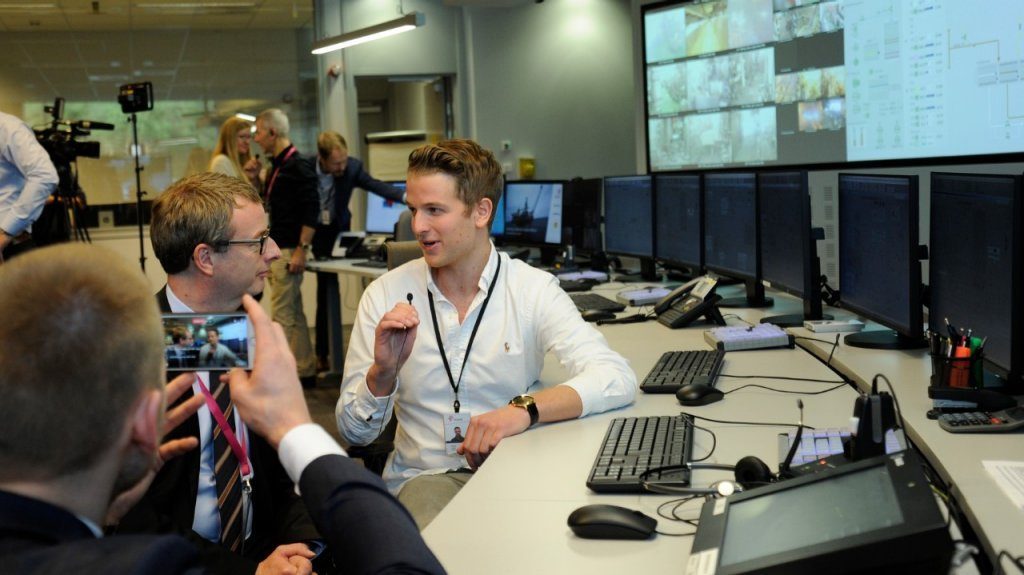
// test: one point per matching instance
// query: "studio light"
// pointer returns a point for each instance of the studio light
(397, 26)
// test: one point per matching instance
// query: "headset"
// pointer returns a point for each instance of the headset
(748, 473)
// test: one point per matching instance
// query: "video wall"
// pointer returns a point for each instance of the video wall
(799, 82)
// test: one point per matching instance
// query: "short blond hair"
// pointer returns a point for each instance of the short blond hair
(476, 171)
(81, 342)
(328, 141)
(195, 210)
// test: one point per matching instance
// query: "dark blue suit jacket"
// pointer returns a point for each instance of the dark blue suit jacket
(368, 529)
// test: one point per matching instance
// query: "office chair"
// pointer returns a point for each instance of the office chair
(375, 454)
(399, 252)
(403, 227)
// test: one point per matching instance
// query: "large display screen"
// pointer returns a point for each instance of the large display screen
(795, 82)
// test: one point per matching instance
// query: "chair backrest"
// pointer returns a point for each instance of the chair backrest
(403, 227)
(400, 252)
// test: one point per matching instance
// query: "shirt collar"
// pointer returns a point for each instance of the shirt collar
(177, 306)
(278, 159)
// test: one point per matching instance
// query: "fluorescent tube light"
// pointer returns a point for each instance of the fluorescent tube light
(397, 26)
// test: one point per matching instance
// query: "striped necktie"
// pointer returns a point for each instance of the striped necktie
(226, 472)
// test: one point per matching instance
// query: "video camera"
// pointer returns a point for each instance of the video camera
(59, 138)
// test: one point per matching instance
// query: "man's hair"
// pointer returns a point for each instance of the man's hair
(275, 119)
(179, 334)
(329, 141)
(227, 142)
(195, 210)
(213, 329)
(81, 341)
(477, 173)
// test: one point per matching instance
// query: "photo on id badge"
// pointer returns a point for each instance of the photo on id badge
(455, 426)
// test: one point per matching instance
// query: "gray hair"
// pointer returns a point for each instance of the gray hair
(276, 119)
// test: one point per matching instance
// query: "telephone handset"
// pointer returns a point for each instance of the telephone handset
(357, 244)
(688, 303)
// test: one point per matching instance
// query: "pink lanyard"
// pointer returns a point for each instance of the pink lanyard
(277, 169)
(237, 447)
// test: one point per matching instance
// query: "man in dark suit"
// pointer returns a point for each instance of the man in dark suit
(209, 233)
(64, 473)
(337, 175)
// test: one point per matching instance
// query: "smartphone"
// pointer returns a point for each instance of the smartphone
(208, 341)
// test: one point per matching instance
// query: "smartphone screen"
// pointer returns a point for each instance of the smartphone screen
(205, 342)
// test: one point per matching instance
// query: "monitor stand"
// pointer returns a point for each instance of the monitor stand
(755, 297)
(884, 339)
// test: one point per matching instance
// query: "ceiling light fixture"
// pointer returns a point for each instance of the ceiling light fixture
(406, 23)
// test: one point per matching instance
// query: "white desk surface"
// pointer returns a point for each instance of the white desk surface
(345, 266)
(511, 518)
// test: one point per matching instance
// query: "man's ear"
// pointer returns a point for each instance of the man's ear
(482, 213)
(202, 257)
(146, 421)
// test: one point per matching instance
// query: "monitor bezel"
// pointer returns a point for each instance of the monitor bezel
(719, 269)
(366, 210)
(604, 211)
(694, 268)
(519, 241)
(914, 330)
(1014, 372)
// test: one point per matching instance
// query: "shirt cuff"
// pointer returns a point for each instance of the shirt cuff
(302, 445)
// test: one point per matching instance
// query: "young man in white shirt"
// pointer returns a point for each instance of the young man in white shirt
(490, 320)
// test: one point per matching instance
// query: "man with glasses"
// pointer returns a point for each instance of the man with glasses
(209, 232)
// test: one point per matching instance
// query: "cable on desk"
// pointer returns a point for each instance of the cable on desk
(1018, 562)
(714, 444)
(782, 377)
(841, 385)
(835, 344)
(677, 503)
(764, 423)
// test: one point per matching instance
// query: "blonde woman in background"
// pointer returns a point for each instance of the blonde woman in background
(232, 150)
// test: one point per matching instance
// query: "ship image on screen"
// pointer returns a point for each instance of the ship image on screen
(879, 265)
(974, 248)
(533, 212)
(797, 83)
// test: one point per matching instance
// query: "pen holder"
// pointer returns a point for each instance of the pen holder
(958, 372)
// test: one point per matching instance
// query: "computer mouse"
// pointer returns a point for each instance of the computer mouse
(611, 522)
(698, 394)
(597, 314)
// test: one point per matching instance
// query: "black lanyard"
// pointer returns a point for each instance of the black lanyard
(465, 359)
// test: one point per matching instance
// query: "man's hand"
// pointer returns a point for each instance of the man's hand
(297, 263)
(124, 501)
(269, 399)
(291, 559)
(488, 429)
(392, 345)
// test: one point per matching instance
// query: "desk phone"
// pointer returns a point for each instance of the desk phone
(983, 422)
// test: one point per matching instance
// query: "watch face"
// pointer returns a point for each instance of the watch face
(522, 400)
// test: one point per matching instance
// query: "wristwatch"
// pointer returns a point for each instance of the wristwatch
(306, 247)
(526, 402)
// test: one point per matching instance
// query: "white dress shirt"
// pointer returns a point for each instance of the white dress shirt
(27, 176)
(206, 521)
(528, 316)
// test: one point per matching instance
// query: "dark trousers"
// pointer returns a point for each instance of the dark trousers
(19, 248)
(323, 243)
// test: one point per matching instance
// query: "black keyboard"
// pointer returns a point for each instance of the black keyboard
(371, 264)
(633, 445)
(678, 368)
(585, 301)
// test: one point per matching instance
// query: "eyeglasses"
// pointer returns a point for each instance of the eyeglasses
(262, 241)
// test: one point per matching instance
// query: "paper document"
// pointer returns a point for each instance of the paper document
(1009, 476)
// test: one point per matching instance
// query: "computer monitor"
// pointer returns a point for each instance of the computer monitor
(975, 266)
(498, 223)
(381, 213)
(533, 212)
(789, 245)
(879, 258)
(581, 215)
(628, 212)
(731, 234)
(876, 514)
(678, 222)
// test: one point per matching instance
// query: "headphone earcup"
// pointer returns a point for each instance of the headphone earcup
(752, 472)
